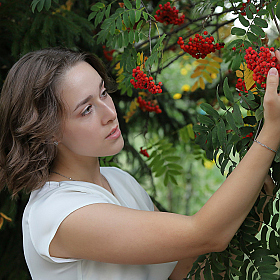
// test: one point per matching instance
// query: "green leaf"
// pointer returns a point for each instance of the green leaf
(172, 158)
(132, 17)
(34, 4)
(235, 271)
(172, 179)
(257, 30)
(174, 166)
(236, 113)
(40, 5)
(126, 20)
(263, 12)
(97, 7)
(91, 16)
(260, 22)
(221, 132)
(205, 120)
(137, 16)
(252, 8)
(145, 15)
(174, 172)
(235, 43)
(125, 38)
(252, 37)
(127, 4)
(120, 40)
(243, 21)
(227, 92)
(273, 243)
(231, 122)
(249, 14)
(107, 13)
(236, 63)
(223, 165)
(263, 234)
(138, 4)
(99, 17)
(131, 37)
(238, 31)
(209, 110)
(48, 4)
(160, 171)
(274, 221)
(207, 271)
(221, 103)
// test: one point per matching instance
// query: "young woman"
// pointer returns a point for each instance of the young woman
(87, 222)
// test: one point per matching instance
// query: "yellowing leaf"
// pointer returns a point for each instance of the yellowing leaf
(142, 93)
(1, 222)
(200, 67)
(118, 65)
(207, 77)
(248, 76)
(203, 61)
(5, 217)
(239, 74)
(201, 83)
(212, 69)
(132, 109)
(215, 64)
(177, 96)
(218, 59)
(195, 86)
(196, 74)
(248, 79)
(208, 164)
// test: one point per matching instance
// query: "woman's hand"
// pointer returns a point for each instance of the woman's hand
(271, 101)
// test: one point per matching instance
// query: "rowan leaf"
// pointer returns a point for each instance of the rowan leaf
(227, 91)
(127, 4)
(209, 110)
(238, 31)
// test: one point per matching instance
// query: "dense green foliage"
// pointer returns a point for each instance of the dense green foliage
(126, 35)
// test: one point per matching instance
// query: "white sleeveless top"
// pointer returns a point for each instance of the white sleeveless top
(50, 205)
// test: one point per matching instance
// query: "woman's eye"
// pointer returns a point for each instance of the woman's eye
(87, 111)
(104, 93)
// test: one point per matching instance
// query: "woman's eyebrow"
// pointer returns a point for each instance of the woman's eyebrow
(87, 99)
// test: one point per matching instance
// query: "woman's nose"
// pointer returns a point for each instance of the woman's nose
(109, 113)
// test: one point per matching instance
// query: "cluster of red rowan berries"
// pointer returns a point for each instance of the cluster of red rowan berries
(240, 85)
(144, 152)
(260, 63)
(144, 82)
(250, 135)
(200, 46)
(169, 15)
(149, 106)
(243, 7)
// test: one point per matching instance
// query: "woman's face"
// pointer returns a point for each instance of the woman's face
(91, 127)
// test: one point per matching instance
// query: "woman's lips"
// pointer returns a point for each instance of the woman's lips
(115, 133)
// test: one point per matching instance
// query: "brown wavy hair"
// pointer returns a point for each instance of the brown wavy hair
(31, 114)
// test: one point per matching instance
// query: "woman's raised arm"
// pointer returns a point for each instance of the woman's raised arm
(116, 234)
